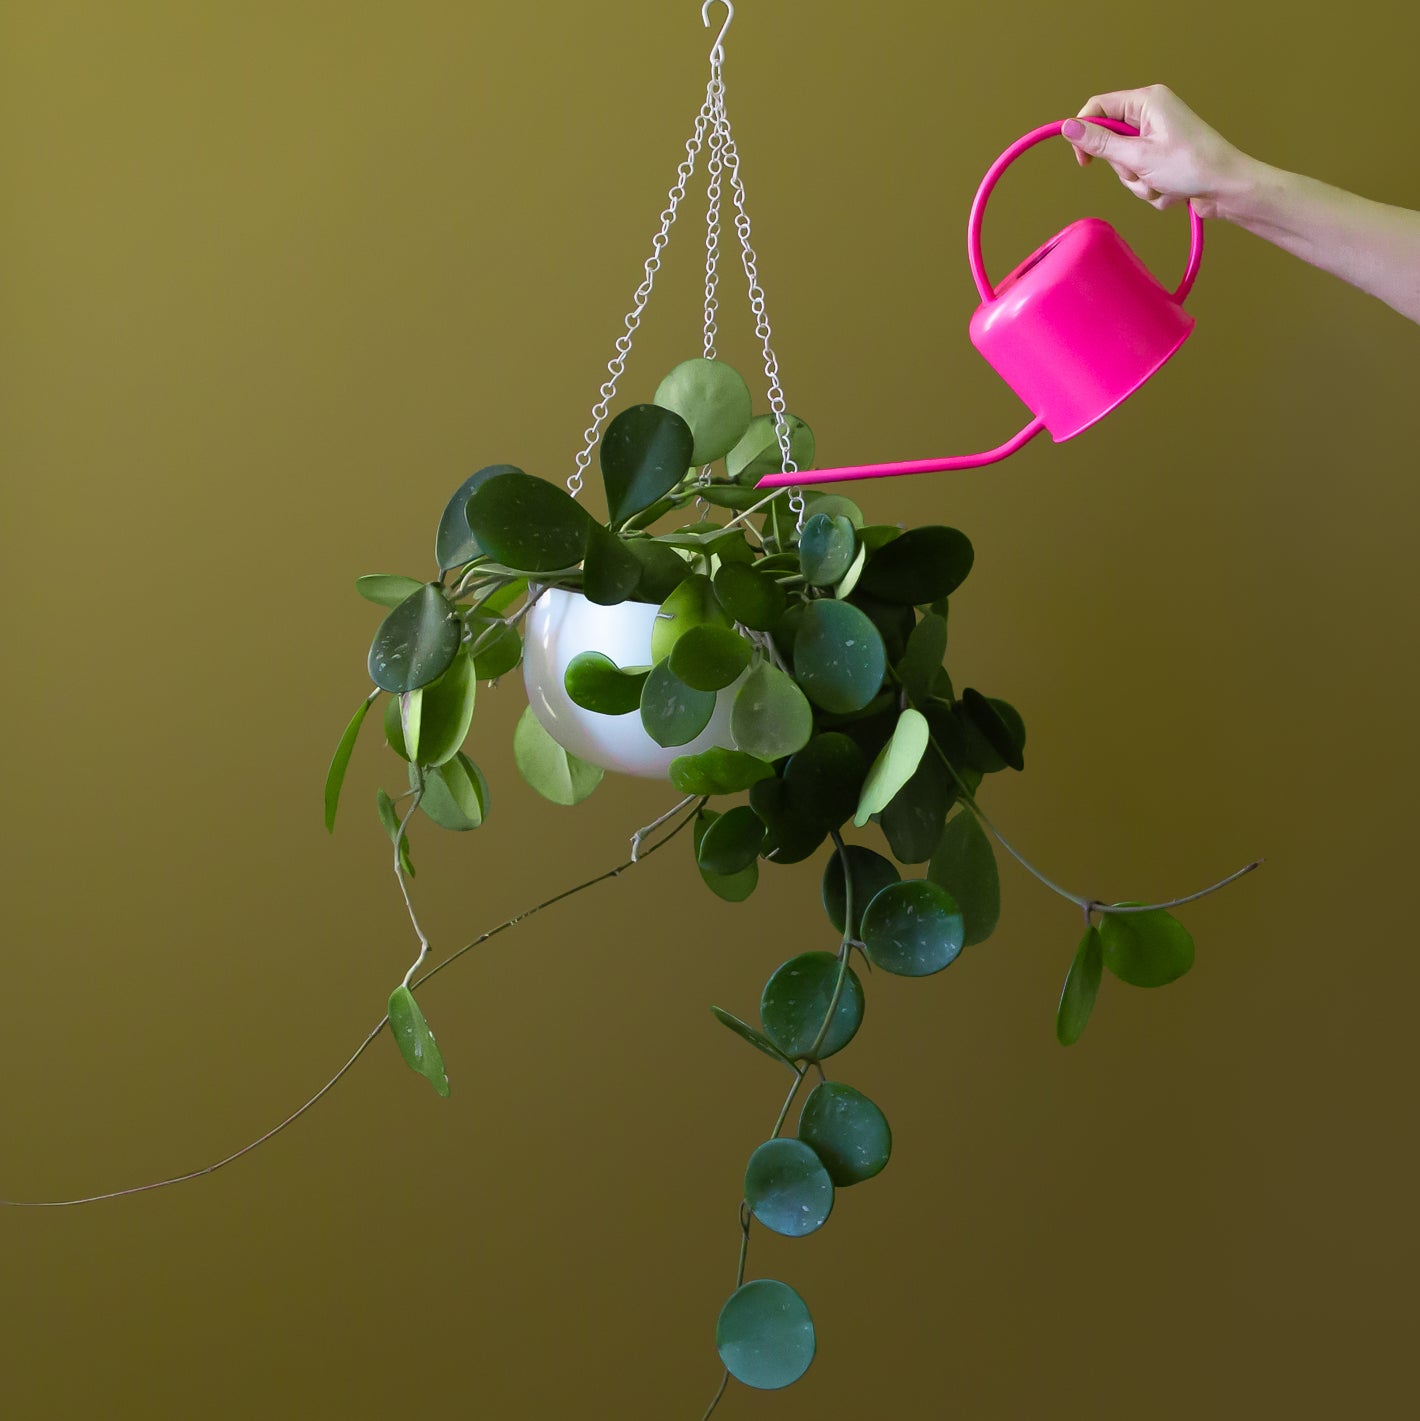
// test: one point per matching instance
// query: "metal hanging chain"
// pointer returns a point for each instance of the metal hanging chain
(715, 99)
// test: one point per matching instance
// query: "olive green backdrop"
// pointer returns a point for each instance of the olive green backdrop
(273, 279)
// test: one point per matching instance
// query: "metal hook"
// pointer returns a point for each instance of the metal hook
(717, 50)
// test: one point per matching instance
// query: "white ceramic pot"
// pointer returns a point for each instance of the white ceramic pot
(562, 624)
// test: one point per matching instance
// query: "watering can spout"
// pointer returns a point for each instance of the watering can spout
(1074, 330)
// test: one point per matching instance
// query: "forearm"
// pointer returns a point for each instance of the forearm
(1372, 245)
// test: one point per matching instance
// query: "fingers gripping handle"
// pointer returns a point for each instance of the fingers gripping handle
(993, 175)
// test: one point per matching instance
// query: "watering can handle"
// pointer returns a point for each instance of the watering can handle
(993, 173)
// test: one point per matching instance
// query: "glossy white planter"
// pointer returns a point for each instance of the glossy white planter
(562, 624)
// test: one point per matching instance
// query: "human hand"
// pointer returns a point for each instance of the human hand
(1176, 156)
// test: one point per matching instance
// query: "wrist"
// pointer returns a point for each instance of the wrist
(1245, 189)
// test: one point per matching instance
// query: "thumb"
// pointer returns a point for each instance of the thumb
(1100, 142)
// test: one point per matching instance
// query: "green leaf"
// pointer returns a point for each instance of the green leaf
(1148, 949)
(965, 865)
(713, 399)
(913, 818)
(985, 716)
(730, 841)
(770, 717)
(384, 807)
(500, 653)
(744, 1030)
(672, 712)
(834, 505)
(825, 778)
(411, 720)
(792, 832)
(846, 1131)
(839, 658)
(692, 604)
(735, 885)
(893, 620)
(528, 524)
(552, 771)
(795, 1003)
(596, 683)
(455, 794)
(758, 451)
(611, 572)
(415, 1041)
(447, 712)
(340, 761)
(897, 762)
(871, 873)
(416, 642)
(826, 549)
(749, 597)
(645, 452)
(394, 727)
(764, 1335)
(850, 578)
(717, 771)
(386, 589)
(921, 565)
(709, 658)
(662, 569)
(1082, 985)
(787, 1188)
(454, 544)
(912, 929)
(922, 660)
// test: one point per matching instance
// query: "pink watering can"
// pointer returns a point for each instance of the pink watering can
(1074, 330)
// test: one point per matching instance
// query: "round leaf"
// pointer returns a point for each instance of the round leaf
(965, 865)
(749, 596)
(499, 653)
(912, 928)
(912, 819)
(835, 505)
(787, 1188)
(672, 712)
(528, 523)
(645, 452)
(416, 642)
(718, 771)
(713, 399)
(735, 885)
(826, 549)
(692, 604)
(771, 717)
(731, 841)
(922, 565)
(795, 1003)
(826, 777)
(764, 1335)
(839, 658)
(846, 1131)
(455, 794)
(547, 767)
(1004, 733)
(415, 1041)
(922, 660)
(454, 544)
(758, 451)
(896, 764)
(1082, 984)
(709, 658)
(871, 873)
(611, 572)
(792, 832)
(662, 569)
(1149, 949)
(596, 683)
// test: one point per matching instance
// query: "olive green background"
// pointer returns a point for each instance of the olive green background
(273, 279)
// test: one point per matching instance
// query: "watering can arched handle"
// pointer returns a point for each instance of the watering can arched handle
(993, 174)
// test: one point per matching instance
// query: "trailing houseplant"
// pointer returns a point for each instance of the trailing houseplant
(782, 663)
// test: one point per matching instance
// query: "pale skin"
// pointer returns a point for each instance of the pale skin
(1179, 158)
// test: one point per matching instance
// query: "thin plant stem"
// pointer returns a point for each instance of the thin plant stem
(399, 840)
(360, 1050)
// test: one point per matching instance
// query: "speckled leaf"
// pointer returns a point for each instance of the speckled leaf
(839, 658)
(846, 1131)
(454, 543)
(795, 1003)
(713, 399)
(787, 1188)
(912, 929)
(771, 716)
(764, 1335)
(645, 452)
(528, 524)
(415, 1041)
(416, 642)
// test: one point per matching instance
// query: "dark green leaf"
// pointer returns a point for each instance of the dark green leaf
(826, 549)
(386, 589)
(912, 928)
(528, 524)
(500, 653)
(747, 1032)
(731, 841)
(384, 807)
(552, 771)
(833, 505)
(596, 683)
(912, 819)
(447, 711)
(965, 865)
(896, 763)
(920, 663)
(340, 761)
(645, 452)
(713, 399)
(839, 659)
(922, 565)
(709, 658)
(672, 712)
(846, 1131)
(787, 1188)
(612, 571)
(764, 1335)
(1148, 949)
(717, 771)
(792, 832)
(454, 544)
(692, 604)
(415, 642)
(1082, 984)
(771, 717)
(825, 778)
(894, 621)
(735, 885)
(455, 794)
(751, 598)
(871, 874)
(758, 452)
(795, 1005)
(662, 569)
(415, 1041)
(984, 715)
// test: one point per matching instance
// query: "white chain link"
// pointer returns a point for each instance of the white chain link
(715, 101)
